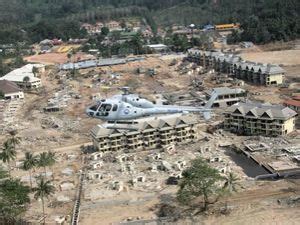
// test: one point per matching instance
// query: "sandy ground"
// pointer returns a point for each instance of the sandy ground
(48, 58)
(56, 58)
(286, 57)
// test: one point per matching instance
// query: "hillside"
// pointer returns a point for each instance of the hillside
(262, 20)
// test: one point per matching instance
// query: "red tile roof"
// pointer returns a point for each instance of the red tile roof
(297, 97)
(292, 102)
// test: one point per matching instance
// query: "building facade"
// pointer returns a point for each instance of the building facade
(260, 119)
(227, 96)
(10, 90)
(26, 76)
(147, 134)
(256, 73)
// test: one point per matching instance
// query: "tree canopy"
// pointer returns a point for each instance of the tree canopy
(199, 180)
(14, 197)
(34, 20)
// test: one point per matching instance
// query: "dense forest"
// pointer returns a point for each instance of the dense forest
(262, 20)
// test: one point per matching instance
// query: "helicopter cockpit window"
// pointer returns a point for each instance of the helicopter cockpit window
(108, 107)
(105, 107)
(115, 108)
(94, 107)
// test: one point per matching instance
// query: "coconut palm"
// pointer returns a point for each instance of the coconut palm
(3, 174)
(29, 163)
(231, 182)
(44, 189)
(7, 154)
(35, 71)
(14, 139)
(43, 161)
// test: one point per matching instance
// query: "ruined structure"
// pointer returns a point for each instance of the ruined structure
(10, 90)
(260, 119)
(26, 76)
(147, 133)
(256, 73)
(293, 103)
(227, 96)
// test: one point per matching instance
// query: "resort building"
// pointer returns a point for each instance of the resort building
(26, 76)
(146, 133)
(10, 90)
(260, 119)
(256, 73)
(227, 96)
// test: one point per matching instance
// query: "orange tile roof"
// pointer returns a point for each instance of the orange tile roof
(292, 102)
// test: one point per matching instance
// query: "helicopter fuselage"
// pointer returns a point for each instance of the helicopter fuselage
(131, 106)
(118, 110)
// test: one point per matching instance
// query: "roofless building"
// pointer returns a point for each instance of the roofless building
(147, 133)
(260, 119)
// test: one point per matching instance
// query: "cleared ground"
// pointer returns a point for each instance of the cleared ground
(285, 57)
(48, 58)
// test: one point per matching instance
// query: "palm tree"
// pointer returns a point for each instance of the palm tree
(8, 154)
(44, 189)
(43, 160)
(29, 163)
(35, 71)
(14, 139)
(231, 182)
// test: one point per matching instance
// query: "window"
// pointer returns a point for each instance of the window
(94, 107)
(115, 108)
(108, 107)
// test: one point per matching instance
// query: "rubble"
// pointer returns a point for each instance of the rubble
(56, 123)
(62, 198)
(67, 172)
(66, 186)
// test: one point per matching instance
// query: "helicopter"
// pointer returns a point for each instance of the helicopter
(128, 106)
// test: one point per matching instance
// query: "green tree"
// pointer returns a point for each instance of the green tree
(14, 139)
(3, 67)
(123, 24)
(43, 161)
(198, 180)
(44, 189)
(26, 81)
(2, 96)
(14, 197)
(104, 31)
(18, 61)
(3, 174)
(35, 70)
(30, 161)
(7, 154)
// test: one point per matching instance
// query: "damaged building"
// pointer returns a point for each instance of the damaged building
(227, 96)
(26, 76)
(147, 133)
(260, 119)
(233, 65)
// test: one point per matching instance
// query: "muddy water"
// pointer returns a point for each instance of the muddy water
(250, 168)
